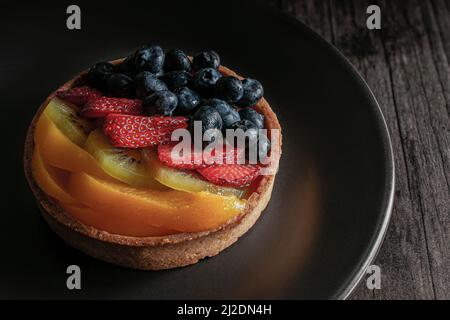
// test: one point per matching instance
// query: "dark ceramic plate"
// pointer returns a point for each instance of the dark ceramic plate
(333, 194)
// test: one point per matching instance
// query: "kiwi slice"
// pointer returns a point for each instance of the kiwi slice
(183, 180)
(120, 163)
(64, 115)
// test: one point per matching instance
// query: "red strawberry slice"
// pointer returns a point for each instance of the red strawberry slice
(232, 175)
(138, 131)
(184, 162)
(79, 95)
(196, 158)
(102, 106)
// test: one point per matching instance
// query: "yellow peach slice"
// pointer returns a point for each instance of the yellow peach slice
(51, 180)
(181, 211)
(57, 150)
(110, 222)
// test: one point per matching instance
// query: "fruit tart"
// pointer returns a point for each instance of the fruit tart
(153, 161)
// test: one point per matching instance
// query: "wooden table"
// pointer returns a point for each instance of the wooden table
(406, 64)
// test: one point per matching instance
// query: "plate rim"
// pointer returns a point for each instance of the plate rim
(389, 159)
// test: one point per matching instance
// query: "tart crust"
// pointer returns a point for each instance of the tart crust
(150, 253)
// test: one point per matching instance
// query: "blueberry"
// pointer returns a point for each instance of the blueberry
(263, 147)
(99, 74)
(229, 89)
(146, 83)
(228, 114)
(206, 59)
(120, 85)
(188, 100)
(250, 131)
(177, 79)
(127, 67)
(177, 60)
(258, 149)
(149, 58)
(244, 125)
(209, 117)
(205, 80)
(161, 103)
(253, 116)
(256, 142)
(253, 92)
(159, 74)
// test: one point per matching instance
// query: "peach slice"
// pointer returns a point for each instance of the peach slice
(51, 180)
(57, 150)
(112, 223)
(181, 211)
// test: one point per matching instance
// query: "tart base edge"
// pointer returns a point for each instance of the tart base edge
(163, 255)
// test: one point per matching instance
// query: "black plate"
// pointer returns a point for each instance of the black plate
(333, 194)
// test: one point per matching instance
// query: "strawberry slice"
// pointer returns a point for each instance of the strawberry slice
(196, 158)
(138, 131)
(79, 95)
(231, 175)
(102, 106)
(185, 161)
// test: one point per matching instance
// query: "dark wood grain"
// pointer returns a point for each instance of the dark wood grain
(406, 64)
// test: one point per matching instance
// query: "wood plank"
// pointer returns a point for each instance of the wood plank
(402, 276)
(441, 9)
(433, 157)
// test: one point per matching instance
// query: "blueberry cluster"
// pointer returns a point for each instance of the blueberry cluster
(169, 83)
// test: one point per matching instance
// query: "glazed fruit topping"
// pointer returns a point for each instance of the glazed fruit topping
(234, 175)
(139, 131)
(79, 95)
(151, 93)
(100, 107)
